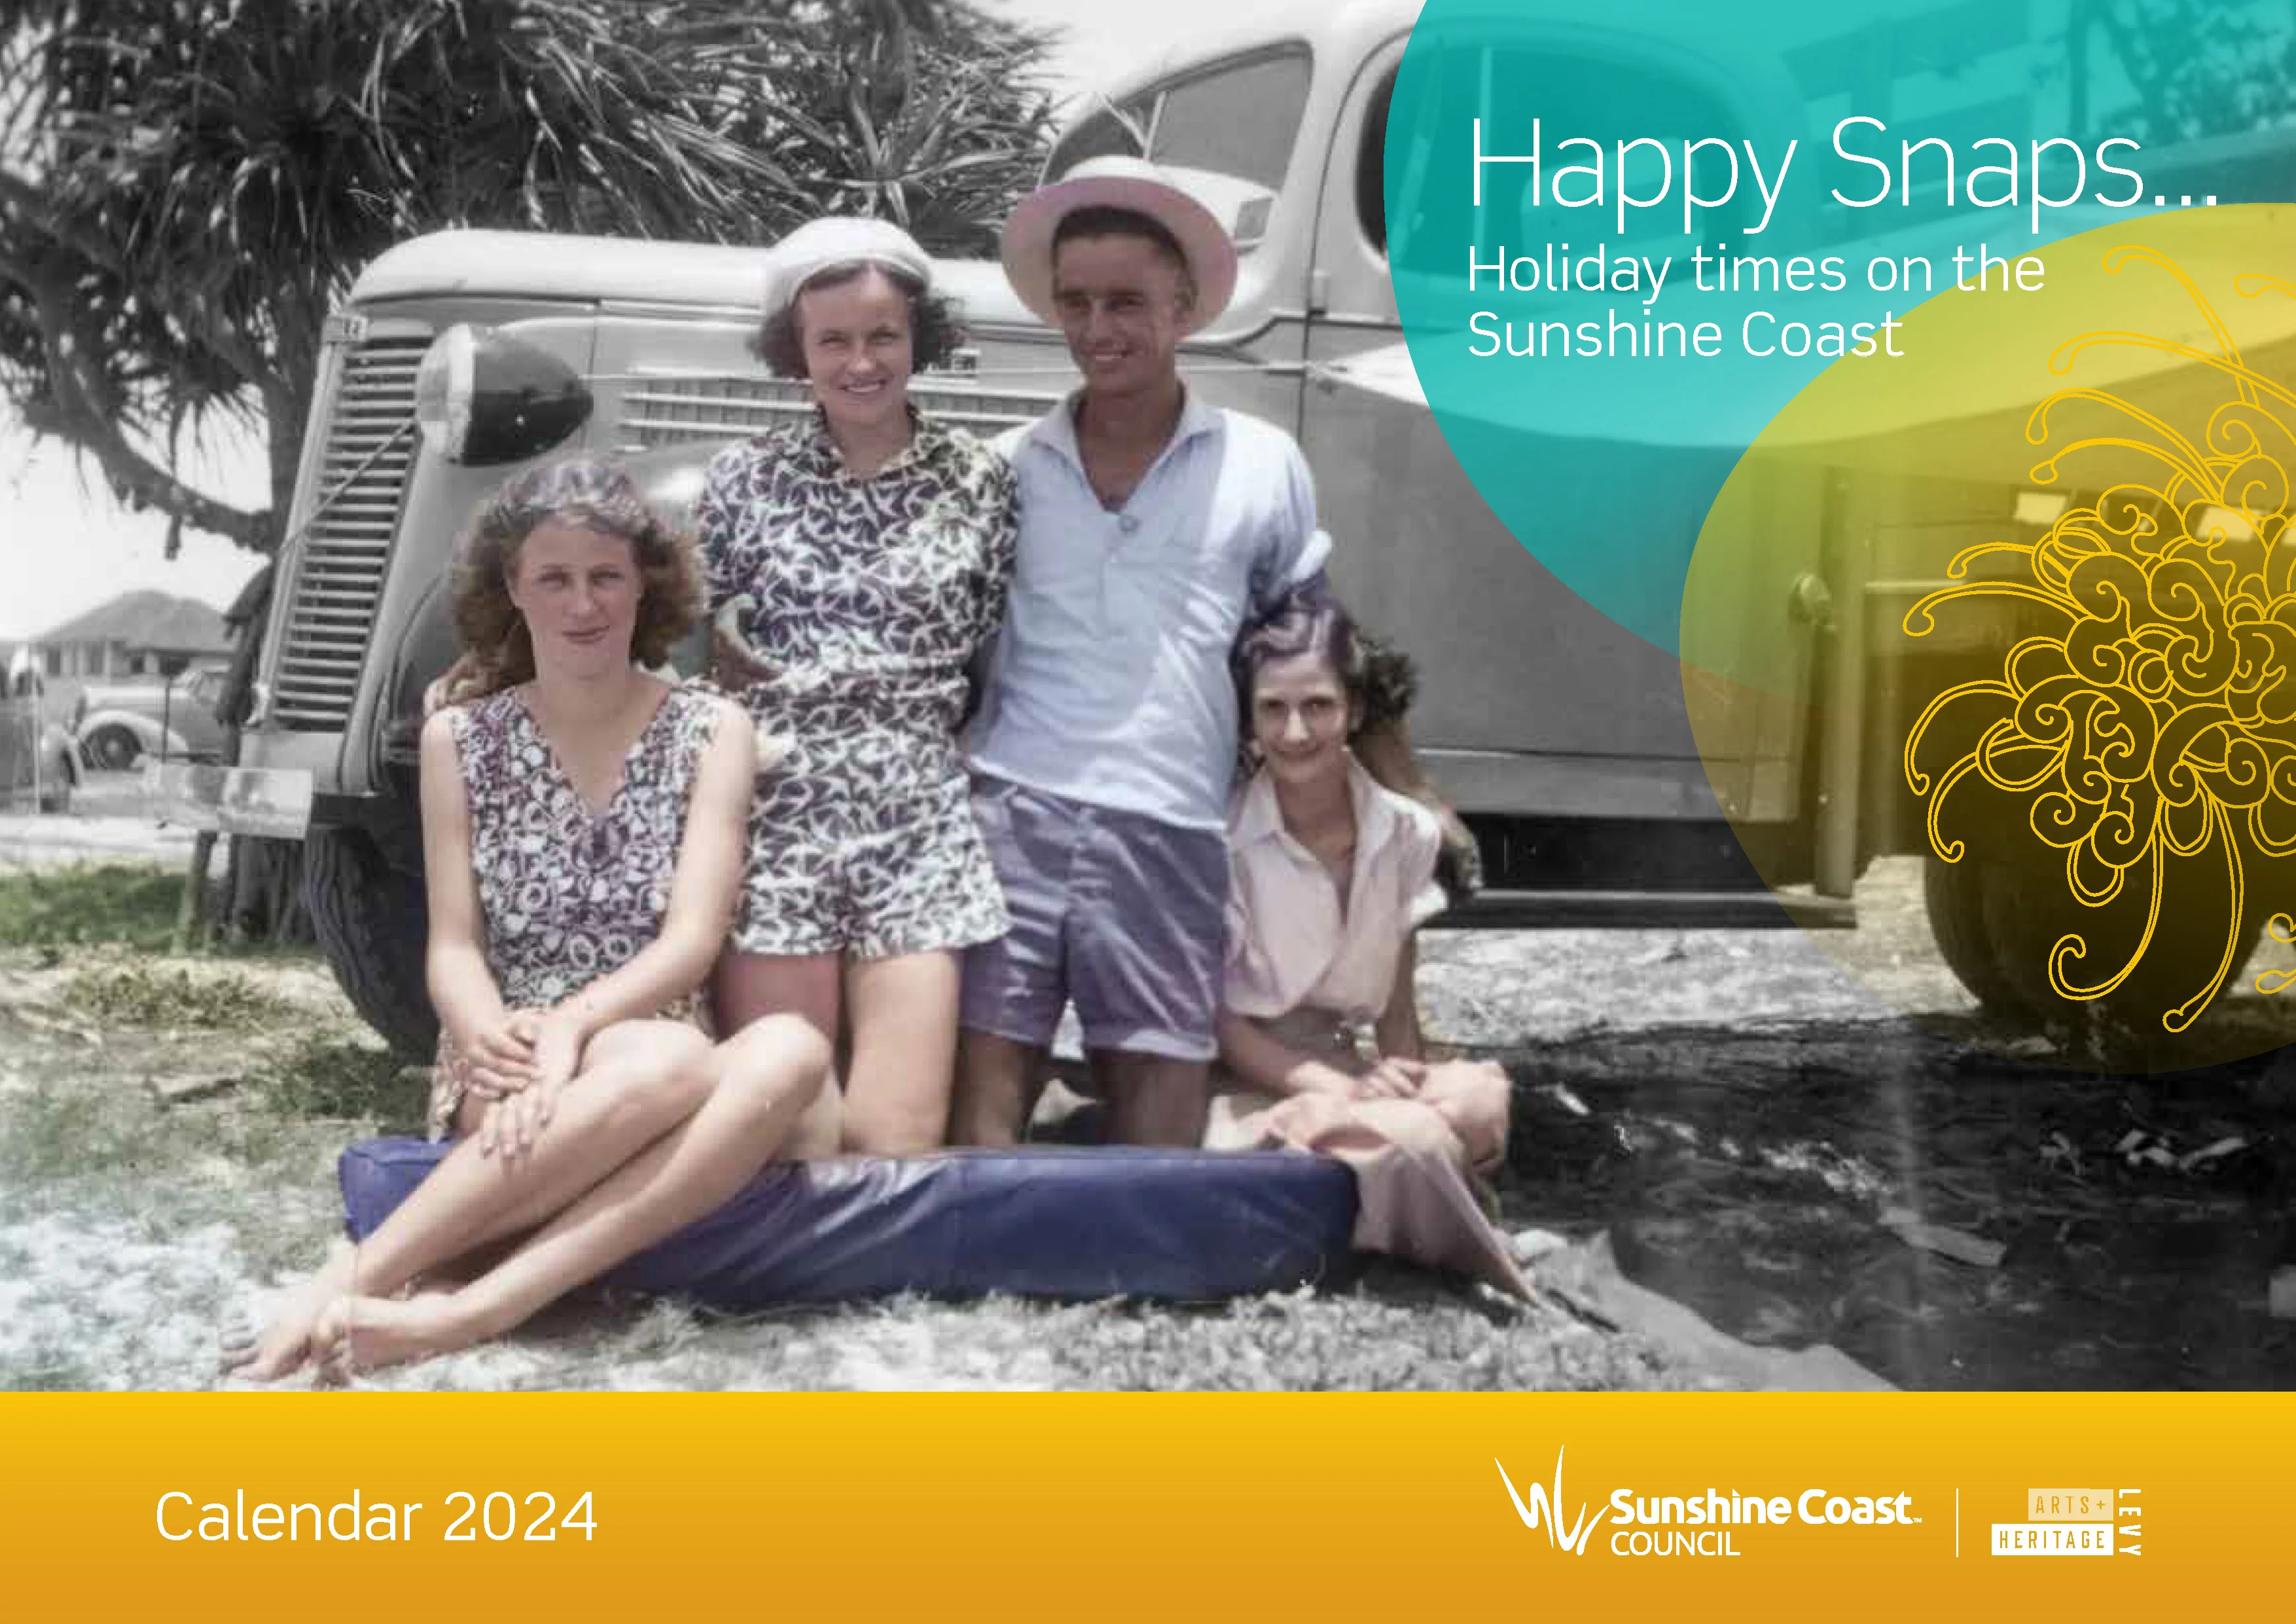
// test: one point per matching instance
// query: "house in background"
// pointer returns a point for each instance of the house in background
(144, 634)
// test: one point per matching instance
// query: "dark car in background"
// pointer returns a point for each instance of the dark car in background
(118, 725)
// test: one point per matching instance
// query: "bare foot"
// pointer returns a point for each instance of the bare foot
(360, 1334)
(285, 1343)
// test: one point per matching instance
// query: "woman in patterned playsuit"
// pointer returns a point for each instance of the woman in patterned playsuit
(873, 548)
(584, 825)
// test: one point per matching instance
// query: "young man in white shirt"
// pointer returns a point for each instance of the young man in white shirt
(1151, 525)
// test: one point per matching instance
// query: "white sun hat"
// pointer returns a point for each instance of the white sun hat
(838, 241)
(1118, 183)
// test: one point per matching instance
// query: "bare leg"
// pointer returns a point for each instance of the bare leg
(818, 1131)
(896, 1088)
(1152, 1100)
(749, 986)
(681, 1175)
(996, 1084)
(751, 1059)
(639, 1077)
(757, 1063)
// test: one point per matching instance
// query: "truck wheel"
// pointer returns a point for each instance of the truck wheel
(371, 921)
(1955, 895)
(111, 749)
(1995, 933)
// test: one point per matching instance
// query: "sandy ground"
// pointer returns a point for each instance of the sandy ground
(1751, 1116)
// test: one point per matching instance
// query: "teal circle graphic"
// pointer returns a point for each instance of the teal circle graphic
(1790, 157)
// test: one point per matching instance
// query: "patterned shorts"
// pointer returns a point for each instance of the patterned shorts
(874, 852)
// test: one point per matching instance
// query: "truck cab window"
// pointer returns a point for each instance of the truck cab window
(1370, 166)
(1227, 133)
(1236, 121)
(1109, 133)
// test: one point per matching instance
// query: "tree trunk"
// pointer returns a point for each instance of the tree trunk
(192, 910)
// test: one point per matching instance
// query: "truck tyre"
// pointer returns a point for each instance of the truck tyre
(1995, 935)
(372, 921)
(1955, 896)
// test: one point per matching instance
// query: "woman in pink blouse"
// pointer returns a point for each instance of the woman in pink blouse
(1330, 874)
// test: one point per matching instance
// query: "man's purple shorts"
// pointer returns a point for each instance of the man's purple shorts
(1119, 912)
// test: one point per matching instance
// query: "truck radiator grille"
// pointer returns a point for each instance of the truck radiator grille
(685, 409)
(346, 547)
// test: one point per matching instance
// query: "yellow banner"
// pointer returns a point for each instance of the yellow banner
(328, 1508)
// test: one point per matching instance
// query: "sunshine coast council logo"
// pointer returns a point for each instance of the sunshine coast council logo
(2075, 1522)
(1539, 1508)
(1703, 1522)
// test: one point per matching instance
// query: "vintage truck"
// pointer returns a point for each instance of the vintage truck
(1563, 738)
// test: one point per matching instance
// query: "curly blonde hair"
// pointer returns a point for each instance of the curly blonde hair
(590, 491)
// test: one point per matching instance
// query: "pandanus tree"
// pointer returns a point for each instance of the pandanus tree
(188, 186)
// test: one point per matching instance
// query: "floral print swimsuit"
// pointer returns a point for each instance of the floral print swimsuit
(567, 894)
(870, 599)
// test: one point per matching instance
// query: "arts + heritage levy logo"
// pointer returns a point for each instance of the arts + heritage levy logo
(2075, 1522)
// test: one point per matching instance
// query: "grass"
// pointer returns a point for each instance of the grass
(295, 1099)
(117, 1140)
(290, 1080)
(89, 904)
(142, 995)
(337, 1079)
(128, 1225)
(105, 905)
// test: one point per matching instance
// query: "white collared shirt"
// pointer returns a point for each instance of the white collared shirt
(1111, 683)
(1288, 943)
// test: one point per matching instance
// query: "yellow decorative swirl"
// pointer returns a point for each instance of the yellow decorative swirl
(2162, 700)
(2282, 929)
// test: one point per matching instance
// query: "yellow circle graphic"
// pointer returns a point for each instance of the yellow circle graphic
(2056, 633)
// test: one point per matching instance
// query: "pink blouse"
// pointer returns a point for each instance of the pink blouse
(1287, 941)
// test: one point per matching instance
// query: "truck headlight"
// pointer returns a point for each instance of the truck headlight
(483, 396)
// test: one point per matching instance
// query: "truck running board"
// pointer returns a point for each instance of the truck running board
(1585, 910)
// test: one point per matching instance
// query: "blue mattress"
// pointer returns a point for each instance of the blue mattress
(1176, 1226)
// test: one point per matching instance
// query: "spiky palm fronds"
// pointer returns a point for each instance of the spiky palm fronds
(187, 187)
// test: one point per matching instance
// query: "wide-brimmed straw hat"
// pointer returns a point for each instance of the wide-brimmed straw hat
(1118, 183)
(840, 240)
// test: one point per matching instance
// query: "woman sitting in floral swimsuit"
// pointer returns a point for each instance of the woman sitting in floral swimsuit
(872, 548)
(584, 827)
(1329, 875)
